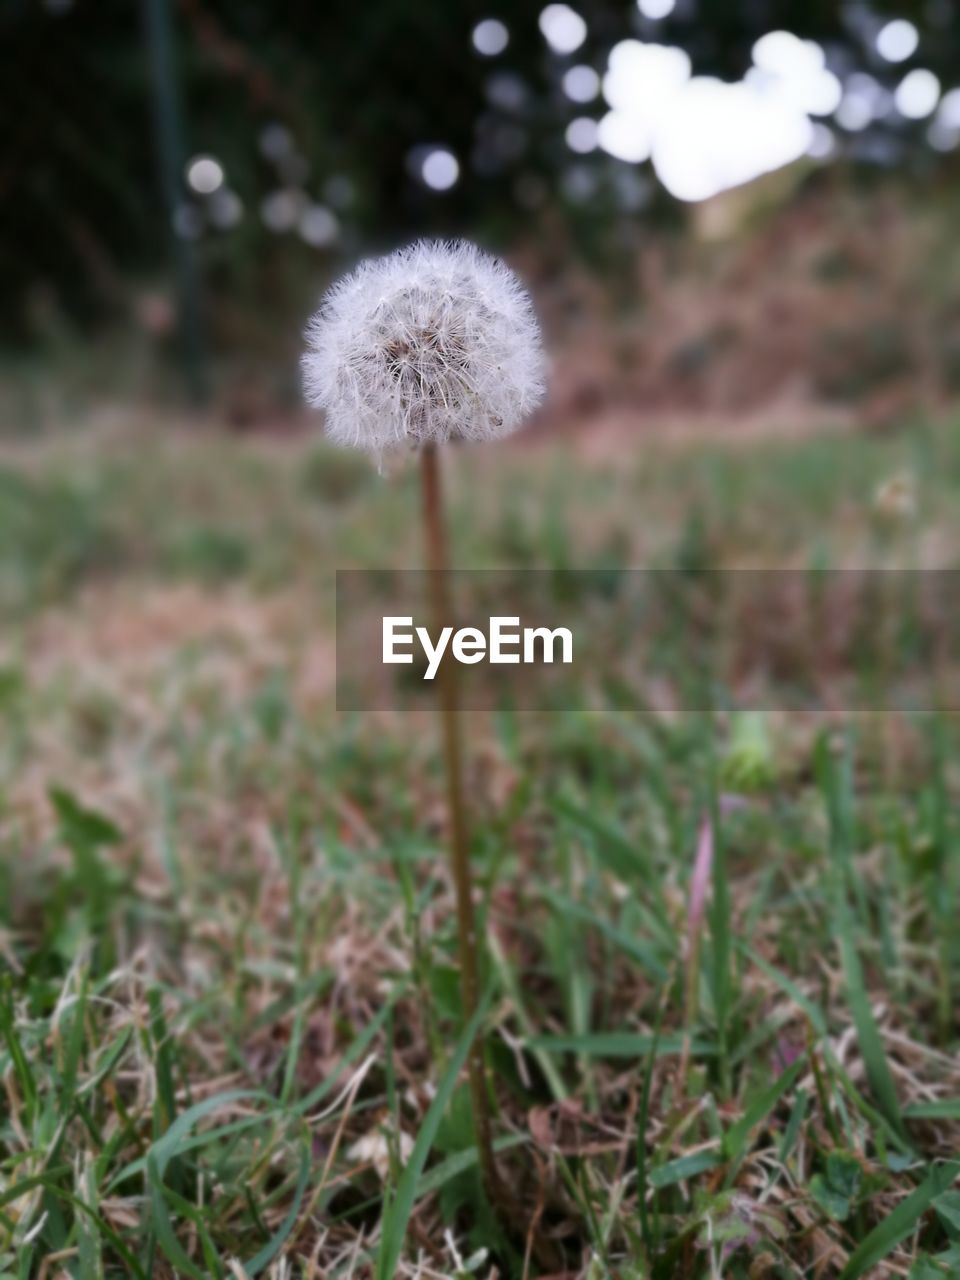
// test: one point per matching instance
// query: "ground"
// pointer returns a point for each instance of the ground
(722, 960)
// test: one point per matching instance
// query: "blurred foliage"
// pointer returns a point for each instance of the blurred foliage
(357, 88)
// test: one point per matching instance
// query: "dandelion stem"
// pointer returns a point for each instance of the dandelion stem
(437, 563)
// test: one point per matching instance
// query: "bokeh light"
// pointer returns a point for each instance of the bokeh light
(943, 136)
(581, 84)
(563, 28)
(718, 135)
(864, 100)
(281, 210)
(582, 134)
(656, 9)
(949, 109)
(796, 71)
(642, 79)
(225, 209)
(823, 142)
(318, 226)
(204, 175)
(705, 135)
(897, 40)
(917, 94)
(440, 169)
(490, 37)
(624, 138)
(854, 113)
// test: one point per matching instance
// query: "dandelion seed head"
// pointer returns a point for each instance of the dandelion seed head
(895, 498)
(435, 342)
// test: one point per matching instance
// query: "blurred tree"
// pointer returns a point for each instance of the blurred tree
(320, 117)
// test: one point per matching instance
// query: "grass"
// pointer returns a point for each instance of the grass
(230, 1034)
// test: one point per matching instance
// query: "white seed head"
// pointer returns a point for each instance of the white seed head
(435, 342)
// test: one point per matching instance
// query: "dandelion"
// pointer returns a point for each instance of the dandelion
(895, 500)
(437, 342)
(374, 1149)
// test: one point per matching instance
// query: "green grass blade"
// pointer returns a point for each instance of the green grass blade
(940, 1109)
(21, 1066)
(666, 1175)
(650, 1242)
(790, 988)
(160, 1218)
(275, 1243)
(89, 1240)
(10, 1194)
(165, 1107)
(835, 777)
(615, 849)
(351, 1054)
(459, 1163)
(721, 949)
(511, 986)
(73, 1046)
(51, 1187)
(209, 1136)
(898, 1224)
(165, 1148)
(644, 953)
(626, 860)
(797, 1116)
(106, 1064)
(735, 1140)
(869, 1112)
(393, 1229)
(619, 1044)
(868, 1035)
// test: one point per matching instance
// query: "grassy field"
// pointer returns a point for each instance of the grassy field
(722, 1021)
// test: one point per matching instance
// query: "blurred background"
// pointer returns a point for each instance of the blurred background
(725, 207)
(738, 220)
